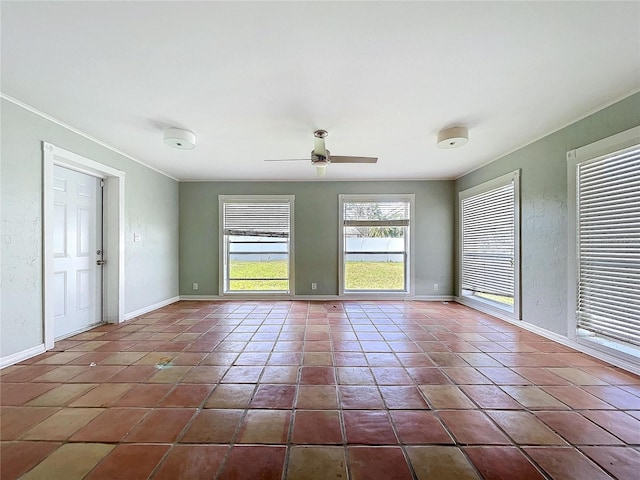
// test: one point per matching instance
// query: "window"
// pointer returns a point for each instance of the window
(375, 243)
(489, 257)
(607, 245)
(256, 244)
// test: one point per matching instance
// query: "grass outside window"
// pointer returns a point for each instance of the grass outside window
(374, 276)
(258, 276)
(250, 276)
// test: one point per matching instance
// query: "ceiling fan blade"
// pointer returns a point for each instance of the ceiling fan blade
(319, 147)
(339, 159)
(289, 160)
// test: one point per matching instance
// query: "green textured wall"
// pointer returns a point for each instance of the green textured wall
(316, 231)
(543, 200)
(151, 209)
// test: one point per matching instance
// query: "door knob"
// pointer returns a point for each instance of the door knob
(100, 262)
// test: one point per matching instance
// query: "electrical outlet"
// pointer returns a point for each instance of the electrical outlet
(435, 287)
(195, 286)
(314, 286)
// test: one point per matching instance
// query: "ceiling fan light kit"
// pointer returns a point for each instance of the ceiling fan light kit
(453, 137)
(320, 162)
(180, 139)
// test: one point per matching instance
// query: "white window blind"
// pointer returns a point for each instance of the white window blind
(488, 241)
(608, 250)
(255, 219)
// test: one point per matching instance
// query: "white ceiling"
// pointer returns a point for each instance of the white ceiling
(254, 80)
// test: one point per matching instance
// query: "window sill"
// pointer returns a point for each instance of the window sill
(625, 351)
(489, 307)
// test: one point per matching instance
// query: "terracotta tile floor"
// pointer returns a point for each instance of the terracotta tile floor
(301, 391)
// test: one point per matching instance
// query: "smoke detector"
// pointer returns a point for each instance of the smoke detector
(453, 137)
(181, 139)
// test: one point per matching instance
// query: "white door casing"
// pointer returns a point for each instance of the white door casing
(113, 234)
(77, 239)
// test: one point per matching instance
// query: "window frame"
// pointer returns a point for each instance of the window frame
(603, 148)
(408, 292)
(489, 306)
(222, 264)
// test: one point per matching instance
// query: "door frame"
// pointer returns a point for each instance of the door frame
(112, 230)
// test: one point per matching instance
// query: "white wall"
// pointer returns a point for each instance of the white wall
(151, 209)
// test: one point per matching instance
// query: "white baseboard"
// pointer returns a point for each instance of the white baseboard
(563, 340)
(208, 298)
(150, 308)
(356, 297)
(258, 297)
(318, 298)
(22, 355)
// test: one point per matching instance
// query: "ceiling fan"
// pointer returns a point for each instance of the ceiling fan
(321, 157)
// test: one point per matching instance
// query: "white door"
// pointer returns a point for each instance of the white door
(77, 239)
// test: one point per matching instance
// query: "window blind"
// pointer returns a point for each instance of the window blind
(608, 222)
(257, 219)
(488, 241)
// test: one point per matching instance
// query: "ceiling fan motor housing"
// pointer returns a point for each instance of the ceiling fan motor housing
(320, 160)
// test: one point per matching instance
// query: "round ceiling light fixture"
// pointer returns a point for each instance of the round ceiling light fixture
(453, 137)
(181, 139)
